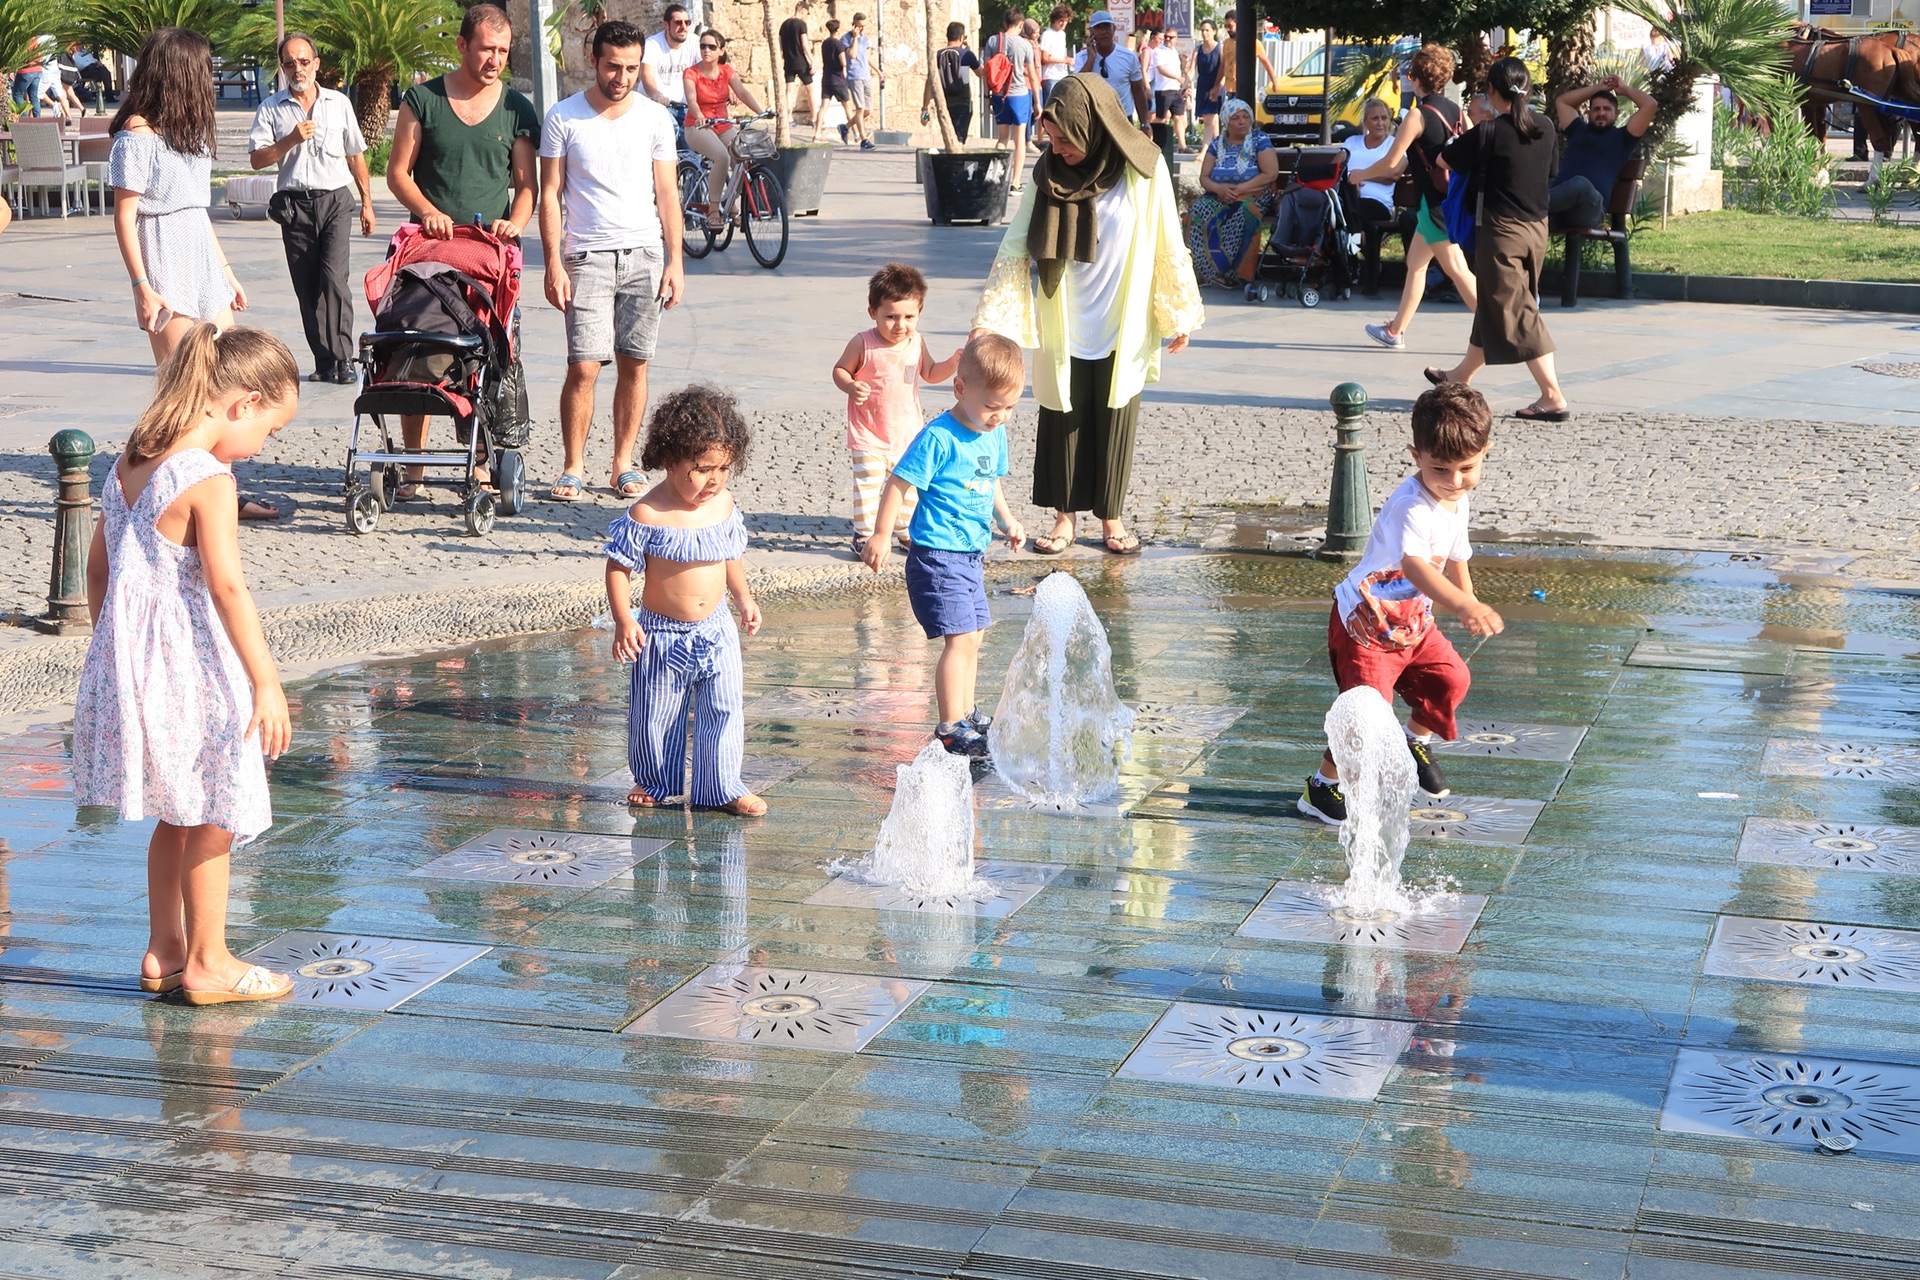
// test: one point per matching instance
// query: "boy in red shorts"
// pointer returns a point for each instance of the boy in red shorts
(1382, 631)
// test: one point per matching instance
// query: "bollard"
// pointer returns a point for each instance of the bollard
(1349, 507)
(72, 537)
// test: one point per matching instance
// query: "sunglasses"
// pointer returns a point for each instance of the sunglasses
(709, 48)
(298, 62)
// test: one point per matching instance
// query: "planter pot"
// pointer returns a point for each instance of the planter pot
(803, 175)
(968, 186)
(892, 138)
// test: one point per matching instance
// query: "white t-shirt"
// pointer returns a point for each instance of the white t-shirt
(1093, 288)
(1119, 68)
(609, 197)
(1375, 600)
(1365, 157)
(1053, 44)
(1166, 69)
(670, 64)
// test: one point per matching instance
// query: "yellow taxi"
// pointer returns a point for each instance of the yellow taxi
(1291, 107)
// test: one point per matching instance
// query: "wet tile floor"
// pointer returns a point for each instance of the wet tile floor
(543, 1037)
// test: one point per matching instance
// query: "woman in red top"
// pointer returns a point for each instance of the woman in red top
(710, 86)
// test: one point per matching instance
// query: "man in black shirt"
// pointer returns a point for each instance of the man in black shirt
(1597, 148)
(798, 66)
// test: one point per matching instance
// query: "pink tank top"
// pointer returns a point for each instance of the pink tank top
(891, 417)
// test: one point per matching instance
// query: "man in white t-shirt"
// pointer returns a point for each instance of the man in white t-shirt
(1114, 63)
(1056, 63)
(610, 153)
(670, 52)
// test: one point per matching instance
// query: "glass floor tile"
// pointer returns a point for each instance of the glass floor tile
(793, 1008)
(1821, 955)
(1299, 911)
(1322, 1056)
(1015, 884)
(1802, 1101)
(1811, 758)
(350, 972)
(1514, 741)
(558, 858)
(1842, 846)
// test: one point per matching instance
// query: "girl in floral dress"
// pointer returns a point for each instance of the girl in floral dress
(179, 699)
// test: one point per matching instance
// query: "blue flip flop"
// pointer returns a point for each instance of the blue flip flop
(625, 478)
(578, 485)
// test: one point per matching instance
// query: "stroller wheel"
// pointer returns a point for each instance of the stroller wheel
(363, 511)
(480, 512)
(510, 477)
(1309, 297)
(385, 482)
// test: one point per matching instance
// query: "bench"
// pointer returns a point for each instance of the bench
(233, 74)
(1374, 234)
(1626, 194)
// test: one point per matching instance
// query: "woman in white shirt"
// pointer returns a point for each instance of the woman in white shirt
(1367, 148)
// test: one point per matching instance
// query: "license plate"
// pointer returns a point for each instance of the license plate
(1289, 118)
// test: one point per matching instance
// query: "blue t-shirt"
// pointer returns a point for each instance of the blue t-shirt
(955, 469)
(1598, 155)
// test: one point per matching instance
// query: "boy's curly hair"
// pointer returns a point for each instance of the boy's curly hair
(1452, 422)
(691, 421)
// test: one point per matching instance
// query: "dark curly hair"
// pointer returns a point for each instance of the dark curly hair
(1451, 422)
(691, 421)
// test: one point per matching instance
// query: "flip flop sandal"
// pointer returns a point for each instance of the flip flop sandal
(567, 481)
(162, 984)
(255, 984)
(413, 491)
(1048, 544)
(1129, 544)
(1438, 377)
(637, 480)
(1531, 414)
(244, 500)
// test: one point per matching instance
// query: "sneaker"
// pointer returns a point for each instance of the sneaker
(1386, 337)
(1323, 801)
(859, 546)
(843, 133)
(978, 720)
(1432, 781)
(866, 144)
(961, 739)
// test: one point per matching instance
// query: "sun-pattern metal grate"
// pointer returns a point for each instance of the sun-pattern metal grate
(344, 971)
(1476, 819)
(1824, 955)
(798, 1008)
(757, 772)
(1868, 1106)
(1844, 846)
(1016, 883)
(991, 792)
(1274, 1052)
(558, 858)
(860, 705)
(1183, 720)
(1299, 911)
(1809, 758)
(1514, 741)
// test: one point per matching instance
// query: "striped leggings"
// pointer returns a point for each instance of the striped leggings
(682, 663)
(869, 478)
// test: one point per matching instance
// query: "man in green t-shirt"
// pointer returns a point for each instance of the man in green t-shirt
(464, 145)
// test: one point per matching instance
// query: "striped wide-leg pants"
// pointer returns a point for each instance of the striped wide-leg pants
(870, 471)
(686, 664)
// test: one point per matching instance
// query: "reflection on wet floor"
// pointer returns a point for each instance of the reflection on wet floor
(554, 1037)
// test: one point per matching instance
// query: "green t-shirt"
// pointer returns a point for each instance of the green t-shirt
(467, 170)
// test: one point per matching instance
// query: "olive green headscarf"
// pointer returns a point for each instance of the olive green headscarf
(1087, 112)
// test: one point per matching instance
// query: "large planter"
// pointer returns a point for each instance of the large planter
(968, 186)
(803, 175)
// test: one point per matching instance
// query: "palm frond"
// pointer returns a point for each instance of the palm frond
(1360, 75)
(22, 23)
(125, 24)
(1743, 42)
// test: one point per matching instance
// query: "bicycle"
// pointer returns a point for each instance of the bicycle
(753, 198)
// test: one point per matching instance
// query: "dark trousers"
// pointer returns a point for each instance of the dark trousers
(1574, 202)
(960, 107)
(316, 240)
(1083, 458)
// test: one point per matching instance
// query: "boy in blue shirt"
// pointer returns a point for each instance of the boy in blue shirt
(956, 463)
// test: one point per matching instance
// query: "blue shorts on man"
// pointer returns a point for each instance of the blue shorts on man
(1015, 108)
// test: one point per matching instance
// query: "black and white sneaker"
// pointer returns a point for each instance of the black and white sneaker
(1432, 781)
(978, 720)
(962, 739)
(1324, 801)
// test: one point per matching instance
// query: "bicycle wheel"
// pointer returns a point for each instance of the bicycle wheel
(763, 207)
(696, 240)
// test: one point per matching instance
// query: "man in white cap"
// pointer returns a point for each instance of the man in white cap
(1114, 63)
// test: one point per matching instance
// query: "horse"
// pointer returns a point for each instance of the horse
(1886, 65)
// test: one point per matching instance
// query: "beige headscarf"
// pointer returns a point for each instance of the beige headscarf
(1087, 113)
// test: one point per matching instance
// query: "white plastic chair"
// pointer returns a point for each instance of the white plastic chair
(42, 154)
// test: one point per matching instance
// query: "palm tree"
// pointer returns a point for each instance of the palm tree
(1741, 41)
(22, 23)
(374, 44)
(124, 25)
(1570, 49)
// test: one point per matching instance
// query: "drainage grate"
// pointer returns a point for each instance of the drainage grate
(992, 792)
(1825, 955)
(1794, 1099)
(901, 706)
(561, 858)
(1183, 720)
(1270, 1051)
(1515, 741)
(1299, 911)
(757, 772)
(1017, 883)
(1846, 846)
(837, 1011)
(1807, 758)
(1480, 819)
(350, 972)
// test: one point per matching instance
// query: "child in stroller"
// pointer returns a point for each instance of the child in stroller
(1311, 251)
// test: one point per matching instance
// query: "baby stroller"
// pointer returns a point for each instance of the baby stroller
(1311, 250)
(445, 345)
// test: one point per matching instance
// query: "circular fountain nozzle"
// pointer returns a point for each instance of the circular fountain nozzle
(1835, 1144)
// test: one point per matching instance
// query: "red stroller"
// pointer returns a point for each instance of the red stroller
(445, 344)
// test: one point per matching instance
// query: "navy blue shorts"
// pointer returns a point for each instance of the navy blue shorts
(948, 590)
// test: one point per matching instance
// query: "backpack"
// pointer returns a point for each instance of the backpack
(953, 72)
(1436, 170)
(998, 70)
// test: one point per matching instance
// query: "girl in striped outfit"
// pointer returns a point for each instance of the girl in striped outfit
(686, 537)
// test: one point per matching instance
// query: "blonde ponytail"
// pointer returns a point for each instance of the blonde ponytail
(206, 363)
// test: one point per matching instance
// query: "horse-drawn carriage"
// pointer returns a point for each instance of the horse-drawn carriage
(1879, 74)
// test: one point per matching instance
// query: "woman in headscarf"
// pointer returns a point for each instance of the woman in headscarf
(1238, 176)
(1093, 274)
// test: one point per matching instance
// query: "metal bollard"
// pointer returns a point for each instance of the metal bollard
(1349, 506)
(72, 537)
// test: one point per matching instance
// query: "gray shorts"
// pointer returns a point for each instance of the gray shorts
(616, 304)
(862, 91)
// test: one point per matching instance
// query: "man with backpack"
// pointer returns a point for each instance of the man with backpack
(1012, 70)
(954, 66)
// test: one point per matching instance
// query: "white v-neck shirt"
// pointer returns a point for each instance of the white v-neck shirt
(1093, 288)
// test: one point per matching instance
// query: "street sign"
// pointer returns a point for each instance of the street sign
(1179, 16)
(1829, 8)
(1122, 18)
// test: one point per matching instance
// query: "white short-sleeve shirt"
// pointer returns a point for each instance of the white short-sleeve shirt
(1119, 69)
(1053, 44)
(1411, 523)
(670, 64)
(609, 195)
(319, 163)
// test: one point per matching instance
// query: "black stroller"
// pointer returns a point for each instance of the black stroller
(446, 345)
(1312, 252)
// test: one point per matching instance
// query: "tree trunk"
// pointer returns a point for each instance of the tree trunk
(373, 87)
(776, 79)
(949, 140)
(1471, 60)
(1672, 92)
(1569, 59)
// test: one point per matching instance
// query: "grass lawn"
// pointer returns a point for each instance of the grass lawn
(1750, 244)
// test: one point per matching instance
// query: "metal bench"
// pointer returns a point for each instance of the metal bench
(1626, 194)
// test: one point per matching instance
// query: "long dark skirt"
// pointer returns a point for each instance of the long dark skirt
(1083, 459)
(1507, 258)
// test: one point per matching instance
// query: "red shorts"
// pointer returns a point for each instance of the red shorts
(1430, 677)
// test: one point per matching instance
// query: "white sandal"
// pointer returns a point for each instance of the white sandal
(255, 984)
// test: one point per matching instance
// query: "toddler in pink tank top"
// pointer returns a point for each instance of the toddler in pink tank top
(881, 371)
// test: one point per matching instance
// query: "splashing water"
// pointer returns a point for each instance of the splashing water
(1378, 777)
(1060, 731)
(926, 842)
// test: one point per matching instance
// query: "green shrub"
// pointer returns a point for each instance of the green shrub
(1782, 169)
(377, 157)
